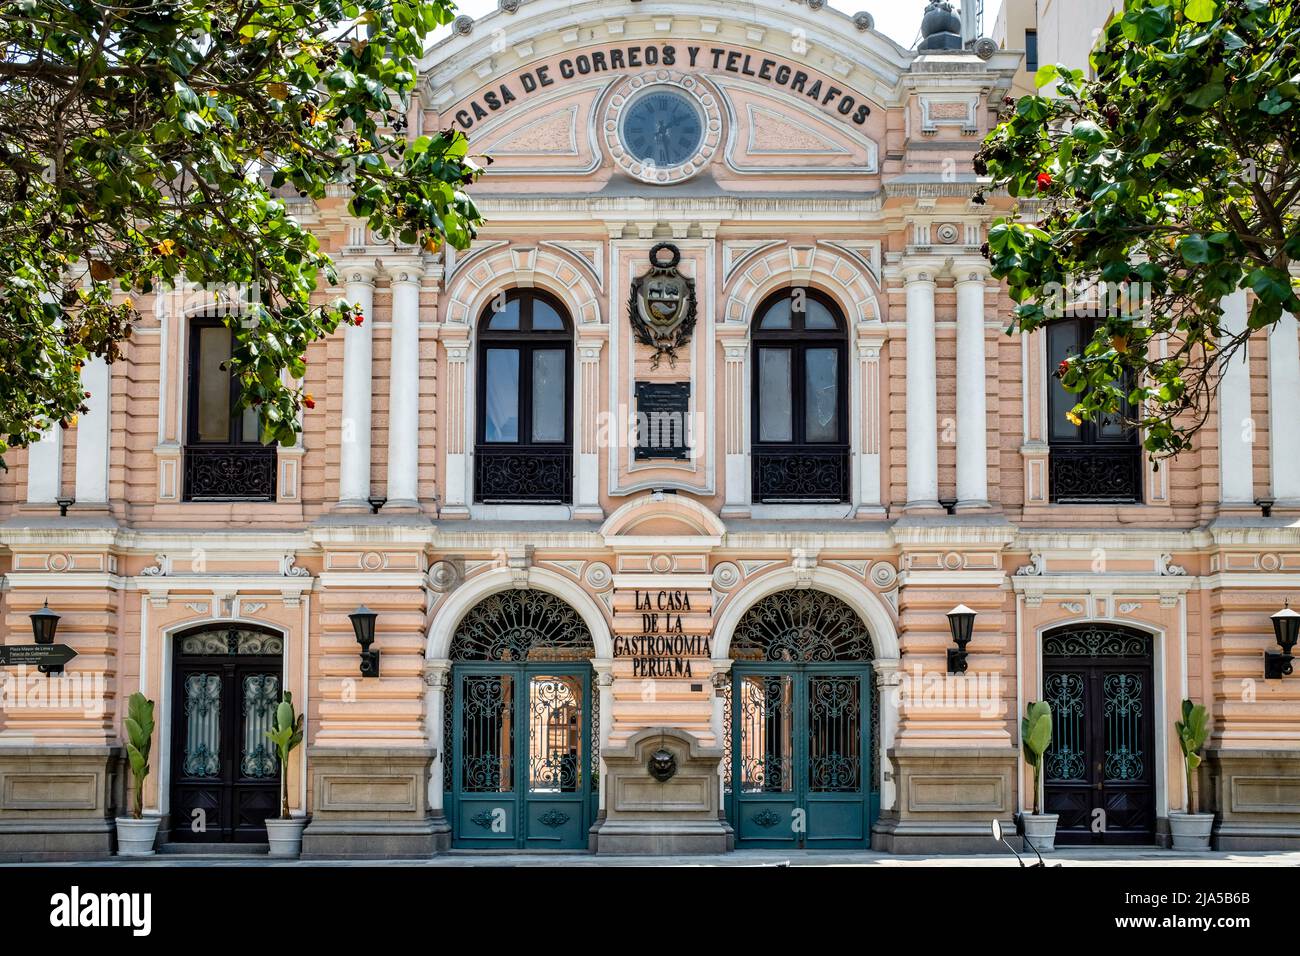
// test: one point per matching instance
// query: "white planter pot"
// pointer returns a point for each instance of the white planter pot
(1191, 830)
(1040, 830)
(136, 837)
(285, 837)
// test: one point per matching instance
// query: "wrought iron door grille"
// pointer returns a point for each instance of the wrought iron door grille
(515, 473)
(230, 473)
(801, 473)
(1096, 474)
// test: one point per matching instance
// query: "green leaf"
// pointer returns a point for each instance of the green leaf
(1047, 74)
(1201, 11)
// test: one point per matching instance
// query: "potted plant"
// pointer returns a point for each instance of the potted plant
(1035, 738)
(1191, 829)
(136, 833)
(284, 835)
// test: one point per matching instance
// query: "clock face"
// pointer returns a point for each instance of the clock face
(662, 128)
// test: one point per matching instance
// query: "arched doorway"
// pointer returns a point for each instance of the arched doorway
(521, 727)
(1099, 773)
(225, 782)
(801, 764)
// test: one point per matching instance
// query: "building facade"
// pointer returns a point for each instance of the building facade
(661, 493)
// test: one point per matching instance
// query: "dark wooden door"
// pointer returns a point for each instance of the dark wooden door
(1099, 773)
(225, 773)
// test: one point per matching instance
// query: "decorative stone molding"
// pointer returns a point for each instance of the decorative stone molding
(289, 570)
(726, 576)
(1074, 607)
(519, 560)
(443, 576)
(820, 264)
(1166, 569)
(804, 563)
(161, 567)
(883, 575)
(1036, 566)
(477, 280)
(598, 576)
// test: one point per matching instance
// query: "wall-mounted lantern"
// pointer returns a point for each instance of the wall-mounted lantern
(44, 623)
(64, 504)
(961, 622)
(1286, 627)
(363, 625)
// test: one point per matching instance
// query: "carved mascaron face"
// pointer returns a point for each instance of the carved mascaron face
(663, 764)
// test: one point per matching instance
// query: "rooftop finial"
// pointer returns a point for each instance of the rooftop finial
(940, 27)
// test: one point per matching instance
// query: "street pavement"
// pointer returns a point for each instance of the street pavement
(1119, 856)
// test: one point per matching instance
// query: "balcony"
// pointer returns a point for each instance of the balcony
(230, 473)
(533, 474)
(807, 474)
(1096, 474)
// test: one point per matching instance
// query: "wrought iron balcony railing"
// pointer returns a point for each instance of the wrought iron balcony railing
(1096, 474)
(801, 473)
(230, 473)
(535, 474)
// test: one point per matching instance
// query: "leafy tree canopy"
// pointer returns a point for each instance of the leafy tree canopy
(1174, 174)
(153, 143)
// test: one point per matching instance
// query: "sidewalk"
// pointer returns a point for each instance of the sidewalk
(1118, 856)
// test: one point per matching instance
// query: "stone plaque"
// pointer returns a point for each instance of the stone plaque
(662, 418)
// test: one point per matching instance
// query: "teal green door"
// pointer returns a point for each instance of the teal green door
(801, 755)
(520, 766)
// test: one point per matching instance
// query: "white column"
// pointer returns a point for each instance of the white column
(404, 391)
(869, 345)
(735, 421)
(721, 681)
(887, 683)
(922, 402)
(435, 691)
(972, 386)
(93, 434)
(354, 445)
(586, 491)
(1236, 433)
(604, 673)
(44, 463)
(1283, 402)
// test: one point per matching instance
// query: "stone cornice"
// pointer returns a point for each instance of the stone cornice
(632, 208)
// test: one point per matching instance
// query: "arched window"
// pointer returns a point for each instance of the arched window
(1096, 462)
(524, 448)
(800, 434)
(225, 459)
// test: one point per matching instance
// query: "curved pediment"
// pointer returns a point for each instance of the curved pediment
(787, 91)
(663, 516)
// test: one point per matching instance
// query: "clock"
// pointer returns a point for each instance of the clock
(662, 127)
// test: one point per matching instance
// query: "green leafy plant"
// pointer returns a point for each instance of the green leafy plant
(1173, 178)
(1035, 738)
(1192, 730)
(185, 144)
(286, 735)
(139, 740)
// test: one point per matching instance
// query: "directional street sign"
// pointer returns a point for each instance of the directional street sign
(43, 655)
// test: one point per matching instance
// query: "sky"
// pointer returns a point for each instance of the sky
(898, 19)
